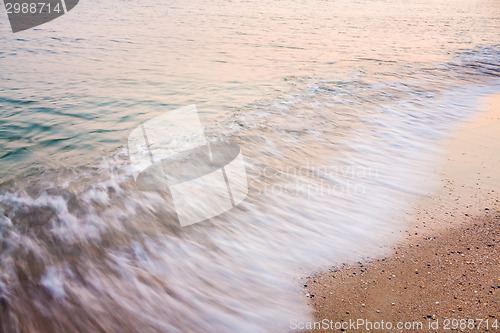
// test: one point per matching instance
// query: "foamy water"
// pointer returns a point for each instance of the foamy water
(338, 108)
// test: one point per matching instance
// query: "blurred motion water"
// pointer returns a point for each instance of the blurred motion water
(337, 106)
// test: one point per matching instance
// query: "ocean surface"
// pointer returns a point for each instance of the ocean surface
(339, 108)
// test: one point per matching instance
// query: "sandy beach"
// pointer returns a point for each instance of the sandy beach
(446, 273)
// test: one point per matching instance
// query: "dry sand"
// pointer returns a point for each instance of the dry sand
(448, 266)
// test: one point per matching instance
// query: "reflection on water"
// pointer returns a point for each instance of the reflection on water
(336, 105)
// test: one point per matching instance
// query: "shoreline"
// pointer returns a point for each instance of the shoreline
(448, 265)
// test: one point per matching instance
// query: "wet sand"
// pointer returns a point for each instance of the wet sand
(447, 267)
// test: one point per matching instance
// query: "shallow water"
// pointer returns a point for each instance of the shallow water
(338, 107)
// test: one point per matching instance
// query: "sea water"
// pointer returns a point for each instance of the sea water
(338, 108)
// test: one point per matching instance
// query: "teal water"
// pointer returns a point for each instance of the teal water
(338, 107)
